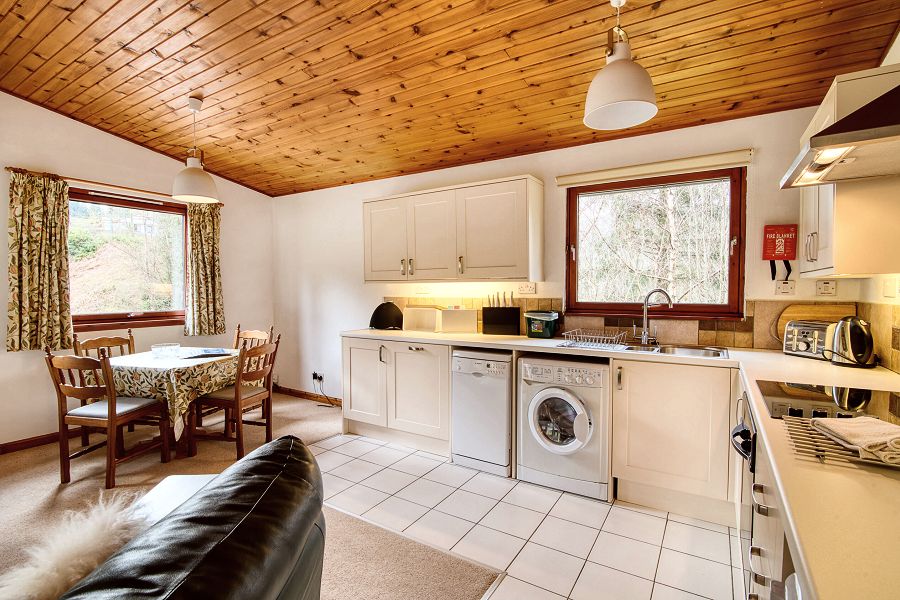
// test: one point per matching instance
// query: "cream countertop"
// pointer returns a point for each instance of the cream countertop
(842, 523)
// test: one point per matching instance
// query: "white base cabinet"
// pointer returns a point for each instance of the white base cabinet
(404, 387)
(671, 426)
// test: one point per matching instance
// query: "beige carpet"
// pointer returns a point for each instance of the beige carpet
(366, 562)
(32, 499)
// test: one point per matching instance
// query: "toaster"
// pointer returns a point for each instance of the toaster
(809, 339)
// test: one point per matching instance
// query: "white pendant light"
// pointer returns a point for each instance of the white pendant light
(621, 95)
(193, 184)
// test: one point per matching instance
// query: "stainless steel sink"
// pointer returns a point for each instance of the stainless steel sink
(706, 352)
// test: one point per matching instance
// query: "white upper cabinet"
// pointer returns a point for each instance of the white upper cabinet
(385, 240)
(479, 231)
(431, 236)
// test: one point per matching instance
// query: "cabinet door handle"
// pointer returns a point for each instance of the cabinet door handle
(411, 271)
(806, 248)
(814, 239)
(380, 355)
(403, 266)
(619, 378)
(757, 577)
(459, 264)
(759, 507)
(416, 349)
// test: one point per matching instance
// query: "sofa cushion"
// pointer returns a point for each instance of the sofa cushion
(252, 532)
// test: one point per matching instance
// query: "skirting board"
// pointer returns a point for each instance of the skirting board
(308, 395)
(34, 442)
(393, 436)
(688, 505)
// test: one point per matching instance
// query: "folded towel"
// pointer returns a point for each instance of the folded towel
(873, 438)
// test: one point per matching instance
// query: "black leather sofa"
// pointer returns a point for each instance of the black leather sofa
(254, 532)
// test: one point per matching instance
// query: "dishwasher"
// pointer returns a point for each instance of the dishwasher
(481, 410)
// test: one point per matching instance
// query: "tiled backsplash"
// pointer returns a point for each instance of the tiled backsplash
(756, 330)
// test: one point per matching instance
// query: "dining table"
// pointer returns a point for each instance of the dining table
(176, 376)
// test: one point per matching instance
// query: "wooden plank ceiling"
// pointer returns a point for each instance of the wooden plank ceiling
(301, 95)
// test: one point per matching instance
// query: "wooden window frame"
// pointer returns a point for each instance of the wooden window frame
(161, 318)
(733, 310)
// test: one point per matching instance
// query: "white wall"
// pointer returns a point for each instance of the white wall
(319, 289)
(34, 138)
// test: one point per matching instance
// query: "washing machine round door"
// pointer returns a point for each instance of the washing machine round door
(559, 421)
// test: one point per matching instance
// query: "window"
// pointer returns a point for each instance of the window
(683, 233)
(126, 262)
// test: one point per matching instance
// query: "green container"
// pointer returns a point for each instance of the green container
(541, 323)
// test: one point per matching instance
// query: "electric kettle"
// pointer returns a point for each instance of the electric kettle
(850, 343)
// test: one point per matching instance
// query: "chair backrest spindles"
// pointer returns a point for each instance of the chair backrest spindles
(252, 338)
(82, 378)
(125, 345)
(256, 363)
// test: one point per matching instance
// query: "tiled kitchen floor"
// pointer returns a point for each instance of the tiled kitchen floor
(552, 545)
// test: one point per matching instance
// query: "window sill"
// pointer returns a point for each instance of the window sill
(108, 325)
(675, 315)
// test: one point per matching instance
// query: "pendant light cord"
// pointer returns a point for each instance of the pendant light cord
(194, 112)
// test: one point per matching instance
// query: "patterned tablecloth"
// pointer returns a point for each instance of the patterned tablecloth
(174, 380)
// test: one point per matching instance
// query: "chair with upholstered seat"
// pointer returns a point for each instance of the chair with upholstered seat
(90, 380)
(252, 338)
(254, 368)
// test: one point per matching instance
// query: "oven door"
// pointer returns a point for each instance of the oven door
(743, 441)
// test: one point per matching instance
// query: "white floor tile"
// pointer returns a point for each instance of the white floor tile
(401, 447)
(439, 529)
(487, 546)
(581, 510)
(334, 441)
(452, 475)
(415, 465)
(515, 520)
(425, 492)
(642, 509)
(316, 449)
(370, 440)
(597, 582)
(334, 485)
(356, 470)
(664, 592)
(546, 568)
(432, 456)
(395, 513)
(699, 542)
(489, 485)
(696, 575)
(534, 497)
(699, 523)
(389, 481)
(466, 505)
(385, 456)
(565, 536)
(625, 554)
(515, 589)
(331, 459)
(636, 525)
(357, 499)
(356, 448)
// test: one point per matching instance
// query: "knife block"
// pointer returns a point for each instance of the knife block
(500, 320)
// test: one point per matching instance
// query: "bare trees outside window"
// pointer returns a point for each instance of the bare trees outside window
(682, 233)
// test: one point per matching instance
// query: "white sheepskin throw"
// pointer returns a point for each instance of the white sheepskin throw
(73, 549)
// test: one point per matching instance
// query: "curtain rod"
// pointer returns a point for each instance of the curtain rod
(88, 182)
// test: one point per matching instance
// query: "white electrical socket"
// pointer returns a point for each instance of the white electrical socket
(826, 287)
(785, 288)
(527, 287)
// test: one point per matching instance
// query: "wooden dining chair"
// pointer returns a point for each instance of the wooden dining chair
(90, 380)
(125, 345)
(255, 367)
(93, 346)
(252, 338)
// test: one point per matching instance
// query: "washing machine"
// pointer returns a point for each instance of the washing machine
(563, 436)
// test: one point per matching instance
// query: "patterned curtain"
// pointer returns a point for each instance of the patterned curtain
(38, 313)
(205, 310)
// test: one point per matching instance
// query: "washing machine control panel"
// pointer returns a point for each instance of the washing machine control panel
(584, 376)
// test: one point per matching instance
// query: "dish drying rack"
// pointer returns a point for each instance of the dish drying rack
(811, 443)
(592, 338)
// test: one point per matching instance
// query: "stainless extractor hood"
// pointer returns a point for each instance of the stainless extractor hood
(865, 143)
